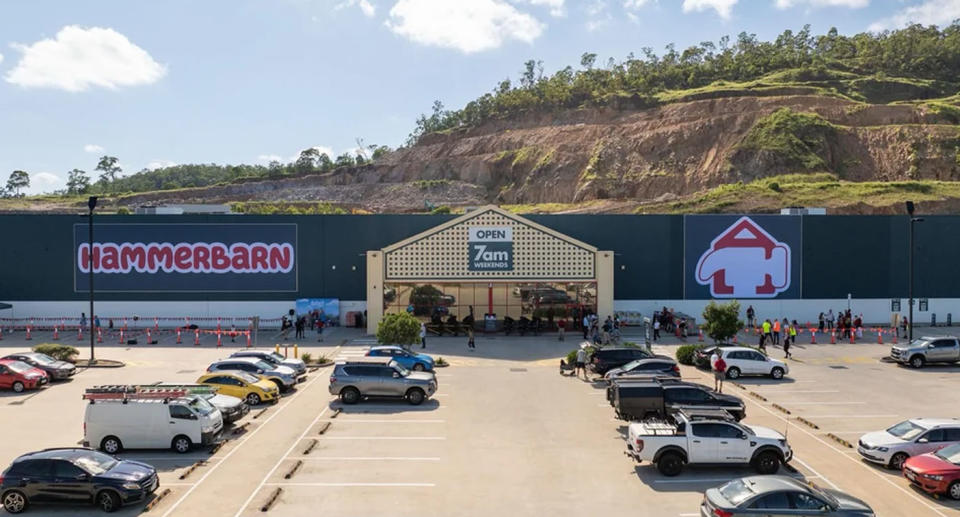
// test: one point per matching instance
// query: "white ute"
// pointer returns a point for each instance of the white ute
(706, 437)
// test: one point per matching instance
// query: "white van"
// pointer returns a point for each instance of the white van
(129, 422)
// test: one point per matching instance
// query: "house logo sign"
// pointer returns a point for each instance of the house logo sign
(745, 261)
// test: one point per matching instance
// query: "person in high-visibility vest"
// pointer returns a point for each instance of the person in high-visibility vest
(766, 334)
(776, 332)
(792, 340)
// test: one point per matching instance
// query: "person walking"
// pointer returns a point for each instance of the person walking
(656, 329)
(470, 344)
(767, 336)
(581, 361)
(776, 332)
(829, 319)
(750, 317)
(820, 319)
(785, 328)
(586, 325)
(903, 324)
(83, 320)
(423, 335)
(561, 329)
(791, 341)
(719, 367)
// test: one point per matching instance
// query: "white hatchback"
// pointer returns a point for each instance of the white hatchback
(747, 361)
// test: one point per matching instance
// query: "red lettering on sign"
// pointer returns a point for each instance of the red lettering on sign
(220, 259)
(132, 256)
(241, 257)
(184, 257)
(201, 257)
(181, 258)
(281, 258)
(259, 260)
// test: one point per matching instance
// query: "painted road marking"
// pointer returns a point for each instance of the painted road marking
(849, 416)
(824, 403)
(406, 485)
(362, 458)
(382, 438)
(381, 421)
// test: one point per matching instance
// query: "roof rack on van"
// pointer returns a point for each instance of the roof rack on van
(193, 389)
(125, 393)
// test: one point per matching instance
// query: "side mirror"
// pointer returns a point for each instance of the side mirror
(743, 436)
(396, 375)
(82, 477)
(260, 371)
(930, 345)
(923, 440)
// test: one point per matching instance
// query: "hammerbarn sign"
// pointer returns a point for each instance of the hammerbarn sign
(188, 257)
(491, 248)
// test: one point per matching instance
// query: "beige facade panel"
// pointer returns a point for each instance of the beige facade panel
(443, 253)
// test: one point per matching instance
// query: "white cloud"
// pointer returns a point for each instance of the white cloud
(853, 4)
(634, 4)
(160, 164)
(41, 182)
(93, 148)
(78, 58)
(931, 12)
(557, 7)
(722, 7)
(1, 58)
(465, 25)
(267, 158)
(365, 6)
(597, 15)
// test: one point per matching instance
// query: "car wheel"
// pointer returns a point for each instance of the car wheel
(253, 399)
(181, 444)
(896, 462)
(917, 361)
(418, 367)
(954, 491)
(415, 396)
(14, 502)
(767, 463)
(350, 395)
(111, 445)
(670, 464)
(108, 501)
(18, 387)
(733, 373)
(280, 387)
(777, 373)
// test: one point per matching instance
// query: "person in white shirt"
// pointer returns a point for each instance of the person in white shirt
(656, 329)
(423, 335)
(581, 361)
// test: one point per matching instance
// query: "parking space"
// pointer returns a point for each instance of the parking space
(505, 434)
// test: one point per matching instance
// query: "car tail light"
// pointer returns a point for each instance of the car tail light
(676, 368)
(717, 512)
(333, 379)
(639, 443)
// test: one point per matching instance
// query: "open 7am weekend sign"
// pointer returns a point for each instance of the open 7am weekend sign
(490, 248)
(187, 257)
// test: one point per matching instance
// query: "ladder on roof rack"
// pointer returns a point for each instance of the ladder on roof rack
(125, 393)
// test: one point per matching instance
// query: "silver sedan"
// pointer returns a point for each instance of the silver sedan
(775, 496)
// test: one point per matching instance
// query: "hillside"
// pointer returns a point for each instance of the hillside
(855, 124)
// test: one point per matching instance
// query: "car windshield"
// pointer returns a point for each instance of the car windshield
(200, 405)
(276, 357)
(736, 492)
(95, 462)
(403, 371)
(249, 378)
(822, 494)
(42, 359)
(263, 365)
(906, 430)
(631, 365)
(919, 343)
(19, 366)
(951, 454)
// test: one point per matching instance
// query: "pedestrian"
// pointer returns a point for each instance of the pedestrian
(776, 332)
(767, 336)
(586, 325)
(829, 319)
(785, 327)
(792, 340)
(299, 328)
(581, 361)
(656, 328)
(284, 327)
(319, 329)
(96, 322)
(83, 320)
(423, 335)
(561, 329)
(750, 317)
(903, 324)
(719, 367)
(470, 344)
(683, 329)
(821, 318)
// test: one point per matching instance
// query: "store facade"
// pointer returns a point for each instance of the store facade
(492, 265)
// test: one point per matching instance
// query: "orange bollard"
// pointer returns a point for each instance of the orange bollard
(178, 336)
(853, 336)
(196, 337)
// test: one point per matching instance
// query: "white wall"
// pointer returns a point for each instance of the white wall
(875, 311)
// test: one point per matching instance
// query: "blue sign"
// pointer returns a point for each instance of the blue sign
(329, 308)
(742, 257)
(187, 257)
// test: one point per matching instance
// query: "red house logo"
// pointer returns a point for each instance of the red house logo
(745, 262)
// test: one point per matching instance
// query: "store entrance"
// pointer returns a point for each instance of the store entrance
(519, 307)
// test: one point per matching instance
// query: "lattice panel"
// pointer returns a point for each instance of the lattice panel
(445, 255)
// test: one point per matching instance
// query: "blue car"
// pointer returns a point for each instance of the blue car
(404, 357)
(78, 476)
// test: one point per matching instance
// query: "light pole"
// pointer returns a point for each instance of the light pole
(913, 220)
(91, 204)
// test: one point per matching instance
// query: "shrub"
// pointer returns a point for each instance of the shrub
(687, 353)
(442, 209)
(56, 351)
(399, 329)
(722, 321)
(441, 362)
(307, 357)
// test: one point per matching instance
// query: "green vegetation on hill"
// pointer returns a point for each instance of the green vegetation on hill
(798, 139)
(913, 63)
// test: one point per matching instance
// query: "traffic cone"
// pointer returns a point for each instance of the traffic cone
(56, 332)
(196, 337)
(833, 337)
(149, 338)
(121, 336)
(853, 336)
(178, 336)
(219, 342)
(879, 336)
(28, 338)
(248, 338)
(813, 336)
(99, 335)
(700, 336)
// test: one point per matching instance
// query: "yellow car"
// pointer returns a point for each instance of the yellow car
(247, 386)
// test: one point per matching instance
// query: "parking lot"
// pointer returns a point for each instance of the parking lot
(504, 434)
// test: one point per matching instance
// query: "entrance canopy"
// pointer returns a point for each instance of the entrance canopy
(484, 258)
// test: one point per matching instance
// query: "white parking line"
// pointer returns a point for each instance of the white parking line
(410, 485)
(849, 416)
(360, 458)
(245, 439)
(382, 438)
(804, 391)
(381, 421)
(807, 403)
(815, 473)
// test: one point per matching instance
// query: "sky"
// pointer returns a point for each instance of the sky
(250, 81)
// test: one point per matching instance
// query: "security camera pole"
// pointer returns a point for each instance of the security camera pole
(913, 220)
(91, 204)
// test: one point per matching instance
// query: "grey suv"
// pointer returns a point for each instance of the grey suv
(380, 377)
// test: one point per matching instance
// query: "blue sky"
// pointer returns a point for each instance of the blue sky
(245, 81)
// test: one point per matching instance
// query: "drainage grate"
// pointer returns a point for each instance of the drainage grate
(837, 367)
(518, 369)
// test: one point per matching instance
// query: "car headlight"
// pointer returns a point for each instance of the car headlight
(935, 477)
(882, 449)
(131, 486)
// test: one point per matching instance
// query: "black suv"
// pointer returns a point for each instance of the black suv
(614, 357)
(75, 475)
(659, 397)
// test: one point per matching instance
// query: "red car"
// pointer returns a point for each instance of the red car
(20, 376)
(936, 472)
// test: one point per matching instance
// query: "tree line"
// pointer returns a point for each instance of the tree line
(916, 51)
